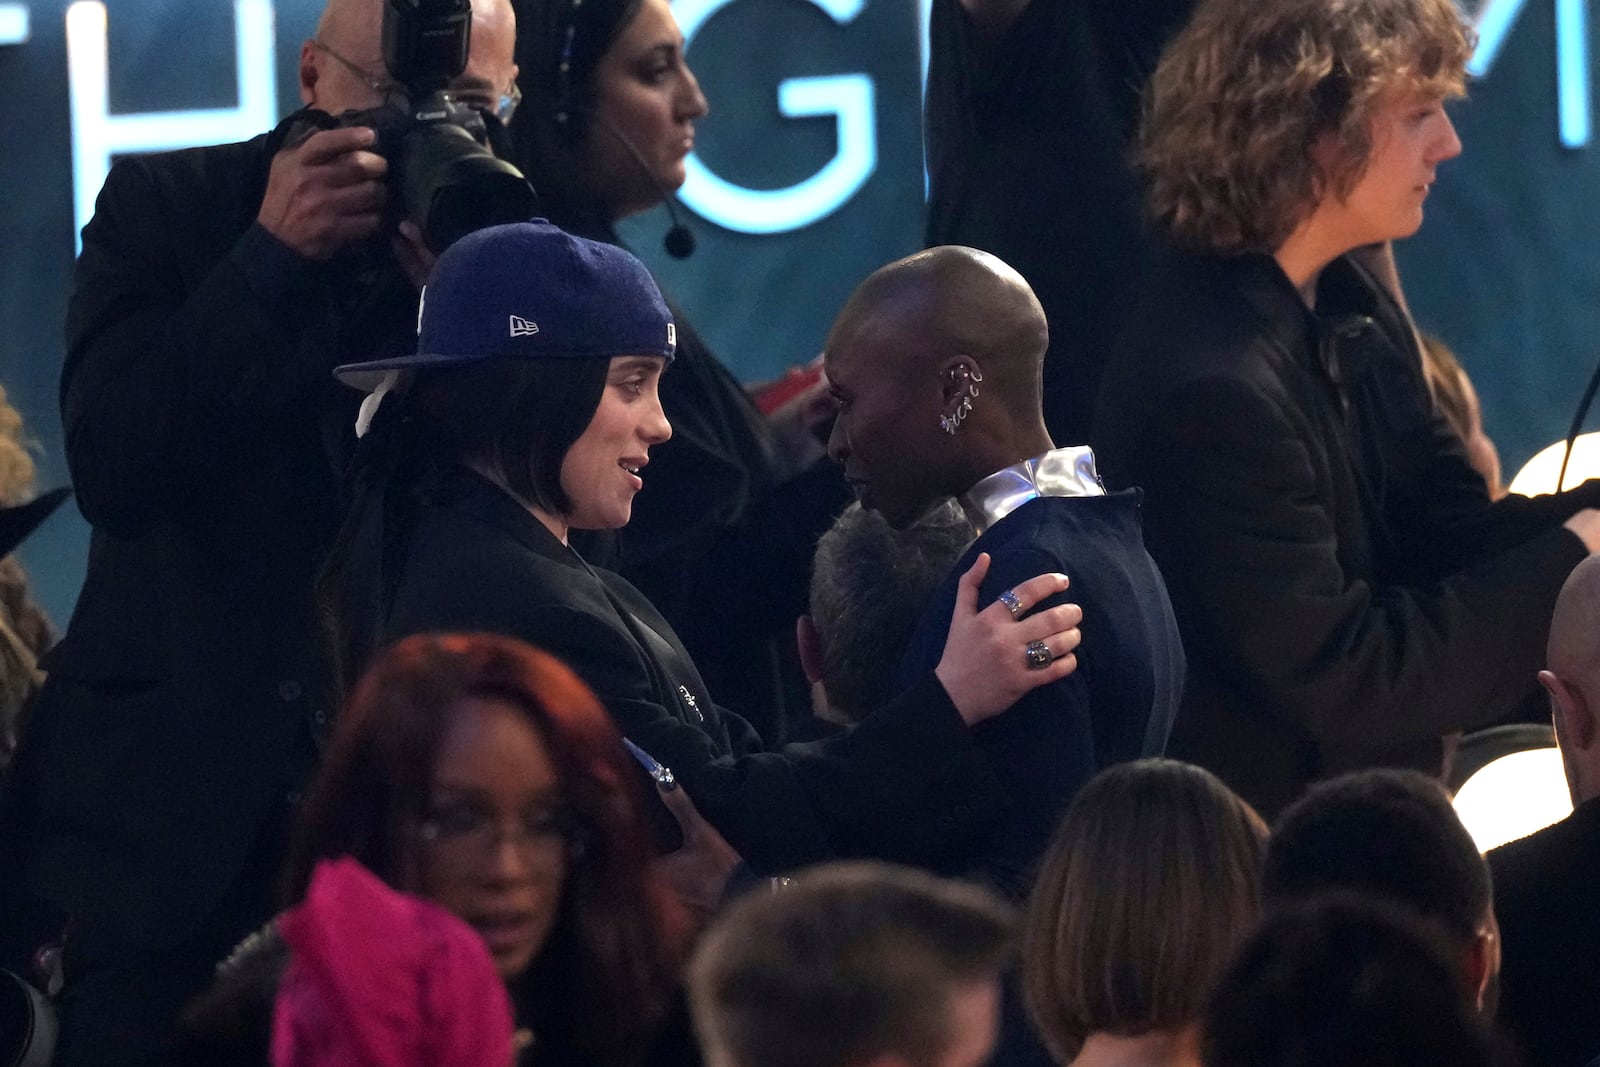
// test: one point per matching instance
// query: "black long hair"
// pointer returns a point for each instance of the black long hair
(514, 417)
(557, 103)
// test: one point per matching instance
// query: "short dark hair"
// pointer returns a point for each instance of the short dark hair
(517, 416)
(1388, 833)
(1345, 981)
(852, 961)
(869, 586)
(1148, 887)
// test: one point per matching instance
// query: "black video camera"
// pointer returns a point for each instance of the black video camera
(442, 175)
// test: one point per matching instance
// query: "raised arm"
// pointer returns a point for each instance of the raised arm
(908, 784)
(192, 329)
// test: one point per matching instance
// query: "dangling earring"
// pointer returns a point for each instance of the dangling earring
(970, 376)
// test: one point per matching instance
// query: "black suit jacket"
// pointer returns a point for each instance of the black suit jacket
(1346, 591)
(908, 784)
(204, 432)
(1120, 702)
(1544, 897)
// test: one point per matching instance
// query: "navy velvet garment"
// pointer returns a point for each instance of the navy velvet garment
(1119, 703)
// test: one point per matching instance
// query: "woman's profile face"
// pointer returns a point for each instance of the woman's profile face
(646, 96)
(496, 840)
(604, 468)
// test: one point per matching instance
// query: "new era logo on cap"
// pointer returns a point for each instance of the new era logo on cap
(593, 300)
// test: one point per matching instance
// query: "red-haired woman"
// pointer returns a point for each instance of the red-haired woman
(480, 774)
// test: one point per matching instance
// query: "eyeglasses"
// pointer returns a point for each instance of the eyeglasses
(501, 107)
(383, 88)
(468, 830)
(506, 105)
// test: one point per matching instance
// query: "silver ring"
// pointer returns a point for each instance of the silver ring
(1012, 602)
(1038, 655)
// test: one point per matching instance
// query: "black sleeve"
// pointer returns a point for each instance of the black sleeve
(1253, 554)
(907, 784)
(176, 352)
(1442, 515)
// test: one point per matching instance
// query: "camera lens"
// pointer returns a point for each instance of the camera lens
(450, 185)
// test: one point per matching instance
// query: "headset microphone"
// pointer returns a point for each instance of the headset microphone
(679, 240)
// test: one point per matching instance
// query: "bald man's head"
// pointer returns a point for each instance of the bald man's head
(341, 64)
(350, 22)
(1574, 649)
(954, 299)
(936, 362)
(1572, 677)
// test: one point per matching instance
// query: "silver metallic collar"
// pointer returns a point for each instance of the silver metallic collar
(1059, 472)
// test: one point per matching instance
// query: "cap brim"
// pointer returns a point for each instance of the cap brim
(366, 376)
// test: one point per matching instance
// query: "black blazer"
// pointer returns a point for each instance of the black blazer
(1119, 703)
(1346, 591)
(1544, 889)
(909, 784)
(204, 432)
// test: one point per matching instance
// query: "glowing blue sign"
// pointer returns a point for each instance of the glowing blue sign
(1494, 21)
(97, 134)
(849, 97)
(13, 23)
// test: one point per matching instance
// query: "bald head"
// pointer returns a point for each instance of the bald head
(1574, 650)
(954, 299)
(936, 364)
(1572, 677)
(354, 30)
(342, 19)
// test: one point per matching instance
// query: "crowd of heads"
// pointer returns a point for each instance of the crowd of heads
(476, 773)
(481, 775)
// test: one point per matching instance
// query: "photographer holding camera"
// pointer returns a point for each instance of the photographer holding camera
(217, 289)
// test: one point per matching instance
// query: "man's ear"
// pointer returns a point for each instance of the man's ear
(1574, 722)
(960, 377)
(309, 73)
(1482, 964)
(810, 642)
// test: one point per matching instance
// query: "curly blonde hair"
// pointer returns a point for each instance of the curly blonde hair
(1246, 88)
(16, 461)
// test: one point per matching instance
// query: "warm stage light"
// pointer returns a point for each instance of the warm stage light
(1513, 796)
(1538, 475)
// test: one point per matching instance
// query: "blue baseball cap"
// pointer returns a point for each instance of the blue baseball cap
(529, 290)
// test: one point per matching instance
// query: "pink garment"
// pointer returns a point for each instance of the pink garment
(380, 979)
